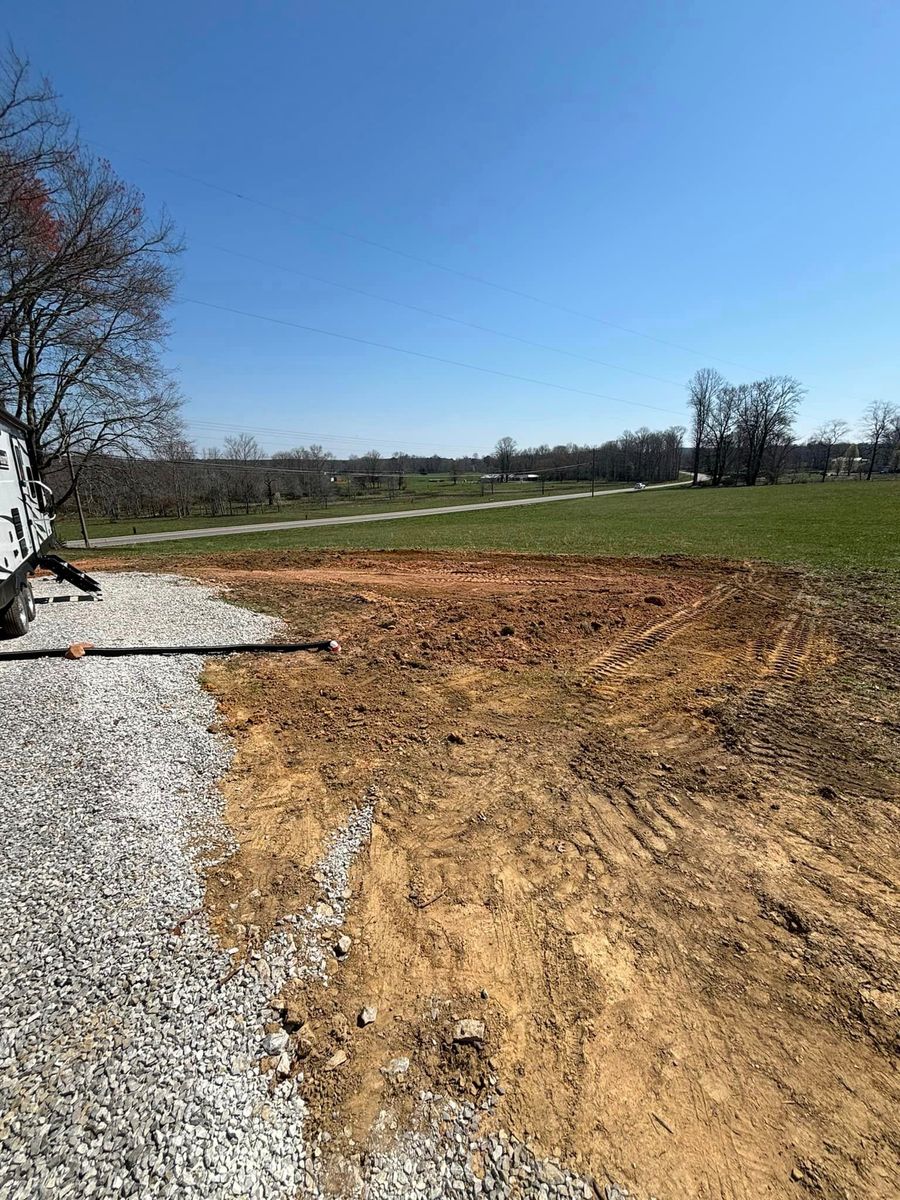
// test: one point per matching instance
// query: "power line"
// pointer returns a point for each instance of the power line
(452, 362)
(430, 312)
(293, 434)
(222, 427)
(428, 262)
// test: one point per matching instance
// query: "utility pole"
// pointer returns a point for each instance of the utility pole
(84, 532)
(593, 467)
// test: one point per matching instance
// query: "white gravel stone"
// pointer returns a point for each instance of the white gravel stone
(116, 1042)
(127, 1066)
(274, 1043)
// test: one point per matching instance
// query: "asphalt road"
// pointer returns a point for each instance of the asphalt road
(177, 535)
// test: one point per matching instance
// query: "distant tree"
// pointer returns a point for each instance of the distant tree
(215, 487)
(722, 430)
(765, 416)
(703, 388)
(177, 452)
(318, 468)
(879, 418)
(826, 438)
(399, 459)
(372, 463)
(850, 460)
(503, 453)
(246, 482)
(893, 442)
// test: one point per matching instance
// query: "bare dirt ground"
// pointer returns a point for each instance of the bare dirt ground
(638, 817)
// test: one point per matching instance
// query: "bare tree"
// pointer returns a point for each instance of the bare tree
(215, 487)
(246, 480)
(503, 453)
(703, 388)
(176, 454)
(826, 438)
(400, 460)
(893, 442)
(722, 430)
(33, 141)
(880, 416)
(765, 416)
(83, 314)
(372, 463)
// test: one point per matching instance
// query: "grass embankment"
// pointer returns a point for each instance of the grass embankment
(831, 525)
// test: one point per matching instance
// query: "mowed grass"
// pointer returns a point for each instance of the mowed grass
(833, 525)
(422, 492)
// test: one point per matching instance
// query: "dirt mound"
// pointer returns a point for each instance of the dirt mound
(635, 817)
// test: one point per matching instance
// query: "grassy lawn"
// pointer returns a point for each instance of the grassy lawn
(841, 525)
(422, 492)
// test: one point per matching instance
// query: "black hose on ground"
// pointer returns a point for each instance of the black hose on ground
(204, 651)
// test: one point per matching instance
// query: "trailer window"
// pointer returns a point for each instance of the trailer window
(4, 461)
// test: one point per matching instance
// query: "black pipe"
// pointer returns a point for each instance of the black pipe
(120, 651)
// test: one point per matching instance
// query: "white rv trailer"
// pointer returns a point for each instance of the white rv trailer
(26, 530)
(25, 525)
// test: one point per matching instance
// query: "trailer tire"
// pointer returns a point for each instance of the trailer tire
(14, 618)
(30, 606)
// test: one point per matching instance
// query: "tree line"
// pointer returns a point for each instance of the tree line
(744, 433)
(171, 478)
(746, 439)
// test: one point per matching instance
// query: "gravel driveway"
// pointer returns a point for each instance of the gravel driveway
(128, 1044)
(124, 1068)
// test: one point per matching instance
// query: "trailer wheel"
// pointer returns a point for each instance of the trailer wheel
(30, 606)
(14, 618)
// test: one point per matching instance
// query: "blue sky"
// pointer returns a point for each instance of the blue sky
(719, 177)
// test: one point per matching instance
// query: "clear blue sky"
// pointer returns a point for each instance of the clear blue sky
(722, 176)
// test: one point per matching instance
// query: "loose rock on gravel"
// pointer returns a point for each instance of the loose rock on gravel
(132, 1045)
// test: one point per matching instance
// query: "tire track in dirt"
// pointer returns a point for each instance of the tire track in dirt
(791, 760)
(795, 760)
(763, 736)
(660, 823)
(828, 852)
(623, 655)
(619, 872)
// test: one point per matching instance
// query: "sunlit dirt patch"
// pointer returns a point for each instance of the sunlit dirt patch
(638, 818)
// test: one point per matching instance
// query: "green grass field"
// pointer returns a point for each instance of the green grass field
(430, 491)
(832, 525)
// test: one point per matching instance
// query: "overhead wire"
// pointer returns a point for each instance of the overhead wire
(366, 440)
(430, 312)
(471, 276)
(428, 262)
(347, 337)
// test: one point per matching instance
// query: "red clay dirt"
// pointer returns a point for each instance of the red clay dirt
(638, 817)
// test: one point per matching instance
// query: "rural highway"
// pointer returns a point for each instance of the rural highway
(177, 535)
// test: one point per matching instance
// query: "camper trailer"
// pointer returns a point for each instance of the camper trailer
(26, 512)
(26, 528)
